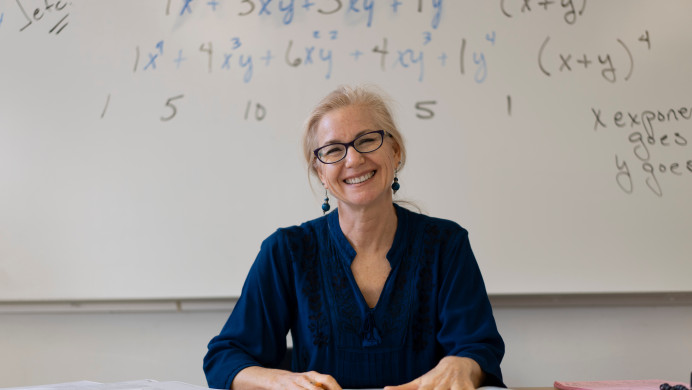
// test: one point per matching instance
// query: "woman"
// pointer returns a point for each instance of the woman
(374, 295)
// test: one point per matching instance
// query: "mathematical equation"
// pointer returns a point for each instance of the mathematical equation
(288, 11)
(233, 55)
(603, 62)
(527, 7)
(646, 138)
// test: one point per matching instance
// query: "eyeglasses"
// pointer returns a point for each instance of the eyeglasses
(364, 143)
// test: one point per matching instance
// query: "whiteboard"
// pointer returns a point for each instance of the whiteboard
(147, 148)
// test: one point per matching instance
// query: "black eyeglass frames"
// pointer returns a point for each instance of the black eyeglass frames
(364, 143)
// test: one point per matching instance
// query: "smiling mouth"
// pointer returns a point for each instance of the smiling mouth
(360, 179)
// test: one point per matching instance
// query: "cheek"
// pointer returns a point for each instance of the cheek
(326, 174)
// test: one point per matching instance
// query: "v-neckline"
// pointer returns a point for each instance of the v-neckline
(346, 254)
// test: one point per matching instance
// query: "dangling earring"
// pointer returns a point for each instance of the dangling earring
(325, 205)
(395, 185)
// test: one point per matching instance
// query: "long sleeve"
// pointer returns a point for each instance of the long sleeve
(255, 333)
(467, 325)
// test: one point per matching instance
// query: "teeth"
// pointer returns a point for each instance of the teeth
(361, 179)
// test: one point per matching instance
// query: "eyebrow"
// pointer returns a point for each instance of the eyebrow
(336, 141)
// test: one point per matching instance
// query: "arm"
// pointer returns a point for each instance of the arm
(468, 327)
(255, 332)
(467, 332)
(254, 338)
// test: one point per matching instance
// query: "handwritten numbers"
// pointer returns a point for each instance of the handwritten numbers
(490, 38)
(427, 37)
(250, 10)
(462, 54)
(424, 112)
(260, 111)
(136, 59)
(382, 51)
(235, 43)
(645, 38)
(159, 46)
(108, 99)
(174, 110)
(209, 50)
(336, 8)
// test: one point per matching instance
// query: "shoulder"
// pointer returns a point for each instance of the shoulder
(433, 226)
(285, 247)
(297, 237)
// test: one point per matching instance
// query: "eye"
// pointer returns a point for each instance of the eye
(365, 140)
(331, 150)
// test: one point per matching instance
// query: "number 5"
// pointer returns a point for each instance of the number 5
(173, 109)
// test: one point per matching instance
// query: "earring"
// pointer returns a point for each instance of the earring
(325, 205)
(395, 185)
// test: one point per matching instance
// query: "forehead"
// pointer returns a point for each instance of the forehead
(343, 124)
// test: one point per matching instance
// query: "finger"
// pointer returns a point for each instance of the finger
(326, 382)
(306, 382)
(413, 385)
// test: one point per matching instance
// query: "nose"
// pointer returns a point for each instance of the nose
(353, 157)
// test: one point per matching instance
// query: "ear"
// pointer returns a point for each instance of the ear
(320, 175)
(397, 154)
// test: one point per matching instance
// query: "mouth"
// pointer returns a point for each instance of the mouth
(360, 179)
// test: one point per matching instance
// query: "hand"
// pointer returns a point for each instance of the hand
(306, 380)
(266, 378)
(451, 373)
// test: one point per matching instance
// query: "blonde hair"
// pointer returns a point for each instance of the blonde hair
(362, 96)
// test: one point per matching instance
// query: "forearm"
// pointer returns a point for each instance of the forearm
(256, 377)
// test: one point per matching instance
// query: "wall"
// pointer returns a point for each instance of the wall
(544, 343)
(137, 163)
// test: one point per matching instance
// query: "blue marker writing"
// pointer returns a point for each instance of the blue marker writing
(248, 72)
(288, 11)
(368, 6)
(482, 70)
(437, 4)
(327, 57)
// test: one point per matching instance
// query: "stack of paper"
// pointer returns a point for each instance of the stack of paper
(652, 384)
(146, 384)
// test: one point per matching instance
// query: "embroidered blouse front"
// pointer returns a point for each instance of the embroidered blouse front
(433, 304)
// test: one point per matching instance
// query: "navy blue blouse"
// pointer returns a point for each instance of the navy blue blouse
(434, 304)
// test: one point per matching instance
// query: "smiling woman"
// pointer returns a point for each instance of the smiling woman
(373, 294)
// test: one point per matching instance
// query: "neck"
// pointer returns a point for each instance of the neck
(369, 230)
